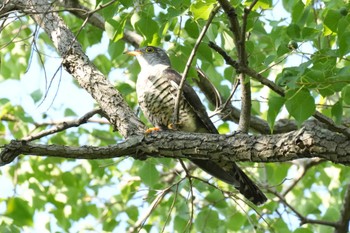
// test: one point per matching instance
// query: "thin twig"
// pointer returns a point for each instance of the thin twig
(245, 19)
(304, 167)
(234, 24)
(231, 95)
(211, 92)
(189, 62)
(188, 175)
(139, 224)
(63, 126)
(302, 218)
(172, 205)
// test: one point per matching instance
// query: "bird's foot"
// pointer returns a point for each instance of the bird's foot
(151, 130)
(174, 126)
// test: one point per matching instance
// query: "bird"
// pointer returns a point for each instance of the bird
(156, 88)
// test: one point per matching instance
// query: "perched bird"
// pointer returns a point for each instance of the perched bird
(156, 89)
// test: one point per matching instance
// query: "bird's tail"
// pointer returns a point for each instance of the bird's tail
(233, 175)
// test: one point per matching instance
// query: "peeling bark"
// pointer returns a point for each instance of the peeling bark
(308, 142)
(80, 67)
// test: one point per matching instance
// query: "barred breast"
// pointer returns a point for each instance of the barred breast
(156, 96)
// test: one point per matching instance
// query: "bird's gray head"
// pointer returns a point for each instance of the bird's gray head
(150, 56)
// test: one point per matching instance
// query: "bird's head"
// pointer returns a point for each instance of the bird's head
(150, 56)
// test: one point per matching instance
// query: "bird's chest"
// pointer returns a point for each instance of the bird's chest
(156, 96)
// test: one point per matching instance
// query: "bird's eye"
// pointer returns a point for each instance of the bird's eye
(149, 50)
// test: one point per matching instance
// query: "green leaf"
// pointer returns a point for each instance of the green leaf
(217, 198)
(8, 228)
(311, 206)
(331, 20)
(20, 211)
(263, 4)
(68, 179)
(309, 33)
(332, 214)
(201, 10)
(293, 31)
(275, 104)
(280, 225)
(180, 223)
(191, 28)
(224, 128)
(298, 11)
(125, 88)
(132, 213)
(115, 28)
(282, 49)
(208, 218)
(345, 93)
(115, 49)
(149, 174)
(239, 220)
(344, 43)
(36, 95)
(148, 28)
(103, 63)
(302, 230)
(337, 111)
(69, 112)
(300, 104)
(229, 44)
(110, 225)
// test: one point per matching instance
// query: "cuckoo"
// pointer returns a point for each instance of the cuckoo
(156, 88)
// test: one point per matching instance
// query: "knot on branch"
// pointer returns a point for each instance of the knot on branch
(10, 151)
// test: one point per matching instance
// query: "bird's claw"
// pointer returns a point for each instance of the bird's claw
(151, 130)
(174, 126)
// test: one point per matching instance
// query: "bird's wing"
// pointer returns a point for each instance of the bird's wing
(227, 171)
(192, 98)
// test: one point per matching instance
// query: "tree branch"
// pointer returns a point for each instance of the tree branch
(229, 112)
(304, 166)
(139, 224)
(246, 103)
(239, 39)
(63, 126)
(279, 90)
(189, 62)
(343, 223)
(313, 140)
(302, 218)
(79, 66)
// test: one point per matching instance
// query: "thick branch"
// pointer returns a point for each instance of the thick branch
(246, 98)
(79, 66)
(309, 141)
(239, 38)
(343, 223)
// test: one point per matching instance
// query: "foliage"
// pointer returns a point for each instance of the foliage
(302, 46)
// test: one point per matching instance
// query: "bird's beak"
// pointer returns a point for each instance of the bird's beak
(133, 53)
